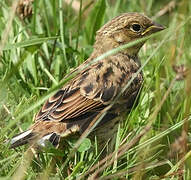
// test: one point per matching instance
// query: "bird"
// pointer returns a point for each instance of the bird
(73, 108)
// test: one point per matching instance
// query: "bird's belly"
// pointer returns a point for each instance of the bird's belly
(106, 135)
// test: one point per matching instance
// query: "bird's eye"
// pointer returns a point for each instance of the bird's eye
(136, 27)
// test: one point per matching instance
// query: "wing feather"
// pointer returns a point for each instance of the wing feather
(90, 91)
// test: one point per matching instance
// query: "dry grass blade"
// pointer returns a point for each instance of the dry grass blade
(132, 170)
(24, 8)
(183, 72)
(8, 112)
(179, 164)
(171, 5)
(25, 163)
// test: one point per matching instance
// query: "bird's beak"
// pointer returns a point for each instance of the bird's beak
(153, 28)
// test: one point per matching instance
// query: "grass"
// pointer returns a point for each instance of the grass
(38, 51)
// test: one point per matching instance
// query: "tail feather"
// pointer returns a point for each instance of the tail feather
(21, 139)
(29, 136)
(53, 138)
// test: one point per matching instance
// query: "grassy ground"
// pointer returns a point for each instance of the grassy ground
(38, 51)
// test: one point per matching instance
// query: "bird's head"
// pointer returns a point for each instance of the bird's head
(123, 29)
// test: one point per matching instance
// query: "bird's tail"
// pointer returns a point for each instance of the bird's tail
(31, 137)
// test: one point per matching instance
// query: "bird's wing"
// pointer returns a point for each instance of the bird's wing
(66, 104)
(88, 93)
(91, 91)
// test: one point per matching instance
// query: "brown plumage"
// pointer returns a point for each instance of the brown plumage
(75, 106)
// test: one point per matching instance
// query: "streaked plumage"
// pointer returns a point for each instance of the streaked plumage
(74, 106)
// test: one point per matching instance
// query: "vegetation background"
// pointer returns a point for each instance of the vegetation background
(42, 41)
